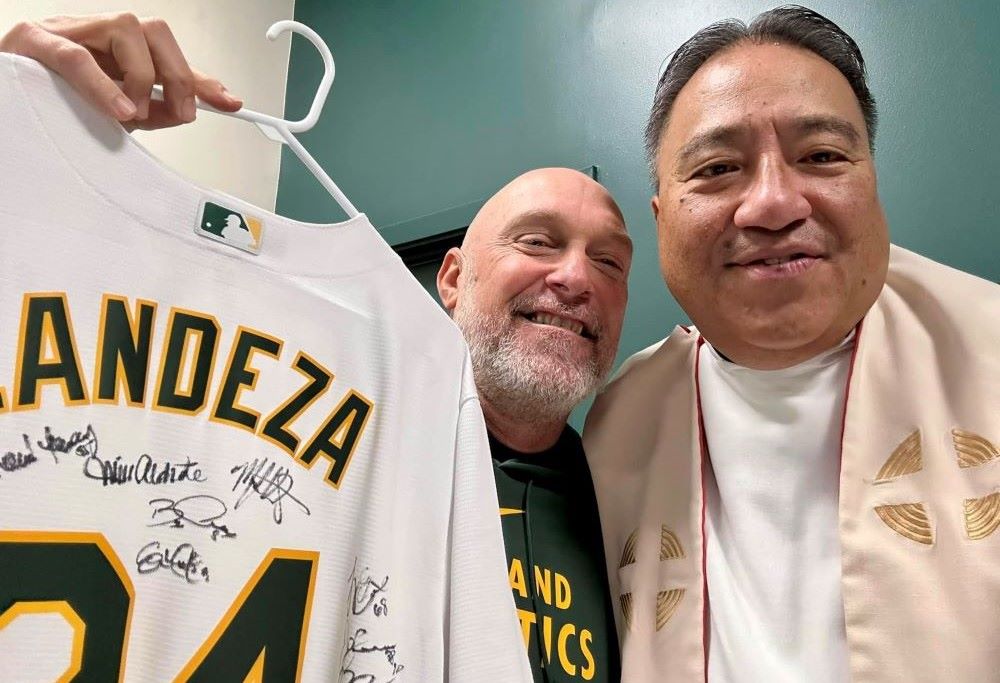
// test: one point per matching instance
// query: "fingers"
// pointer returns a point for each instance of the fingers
(126, 43)
(214, 93)
(74, 63)
(209, 90)
(161, 115)
(118, 44)
(90, 51)
(171, 69)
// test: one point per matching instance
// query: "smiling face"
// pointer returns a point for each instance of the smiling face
(539, 290)
(771, 234)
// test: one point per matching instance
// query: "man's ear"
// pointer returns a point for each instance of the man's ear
(447, 278)
(655, 203)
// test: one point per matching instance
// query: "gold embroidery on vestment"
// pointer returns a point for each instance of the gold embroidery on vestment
(625, 599)
(982, 516)
(973, 450)
(628, 554)
(908, 520)
(670, 545)
(906, 459)
(666, 605)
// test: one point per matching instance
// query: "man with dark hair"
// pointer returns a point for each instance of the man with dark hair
(805, 486)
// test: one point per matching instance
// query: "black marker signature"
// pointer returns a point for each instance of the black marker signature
(361, 658)
(183, 561)
(83, 443)
(270, 482)
(355, 651)
(200, 511)
(145, 470)
(11, 461)
(366, 592)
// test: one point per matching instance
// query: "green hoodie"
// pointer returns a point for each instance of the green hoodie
(550, 524)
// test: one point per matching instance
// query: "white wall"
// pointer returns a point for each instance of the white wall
(223, 38)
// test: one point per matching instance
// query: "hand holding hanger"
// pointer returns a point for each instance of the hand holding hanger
(91, 52)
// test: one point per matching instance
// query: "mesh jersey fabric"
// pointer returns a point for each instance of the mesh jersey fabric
(220, 466)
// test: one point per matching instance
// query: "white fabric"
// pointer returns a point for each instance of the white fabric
(408, 576)
(771, 523)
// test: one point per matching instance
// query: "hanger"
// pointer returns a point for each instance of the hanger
(282, 130)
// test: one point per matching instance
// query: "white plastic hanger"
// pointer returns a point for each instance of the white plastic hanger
(281, 130)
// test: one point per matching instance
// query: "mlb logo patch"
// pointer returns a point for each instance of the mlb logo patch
(230, 227)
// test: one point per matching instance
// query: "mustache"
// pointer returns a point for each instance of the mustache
(748, 240)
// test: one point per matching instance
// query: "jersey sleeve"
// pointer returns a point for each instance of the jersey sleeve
(484, 643)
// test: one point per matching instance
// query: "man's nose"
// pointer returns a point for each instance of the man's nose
(570, 279)
(774, 199)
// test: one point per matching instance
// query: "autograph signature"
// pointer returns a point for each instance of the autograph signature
(83, 443)
(355, 654)
(183, 561)
(269, 482)
(11, 461)
(363, 661)
(200, 511)
(145, 470)
(366, 592)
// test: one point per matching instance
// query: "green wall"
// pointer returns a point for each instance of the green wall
(437, 104)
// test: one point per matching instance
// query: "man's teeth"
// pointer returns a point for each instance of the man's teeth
(776, 261)
(546, 319)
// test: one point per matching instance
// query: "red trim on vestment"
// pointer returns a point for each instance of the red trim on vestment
(703, 448)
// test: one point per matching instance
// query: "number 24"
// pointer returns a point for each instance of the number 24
(78, 575)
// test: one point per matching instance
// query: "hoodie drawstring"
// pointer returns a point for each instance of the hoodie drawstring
(526, 503)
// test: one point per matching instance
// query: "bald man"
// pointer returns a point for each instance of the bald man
(539, 288)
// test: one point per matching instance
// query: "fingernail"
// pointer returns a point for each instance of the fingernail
(231, 97)
(143, 110)
(189, 109)
(123, 108)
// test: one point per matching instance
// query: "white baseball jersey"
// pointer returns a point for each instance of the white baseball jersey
(233, 447)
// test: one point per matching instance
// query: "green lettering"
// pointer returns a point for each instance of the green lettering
(339, 436)
(79, 571)
(239, 375)
(182, 326)
(123, 351)
(48, 352)
(275, 425)
(266, 621)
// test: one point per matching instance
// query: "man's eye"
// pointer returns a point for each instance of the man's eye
(535, 242)
(715, 170)
(824, 157)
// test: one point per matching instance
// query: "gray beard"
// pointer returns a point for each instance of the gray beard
(538, 384)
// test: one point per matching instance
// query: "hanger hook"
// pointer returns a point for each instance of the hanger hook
(281, 130)
(329, 70)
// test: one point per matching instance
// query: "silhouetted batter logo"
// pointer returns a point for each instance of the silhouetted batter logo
(231, 227)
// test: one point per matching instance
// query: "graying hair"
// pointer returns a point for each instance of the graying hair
(790, 24)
